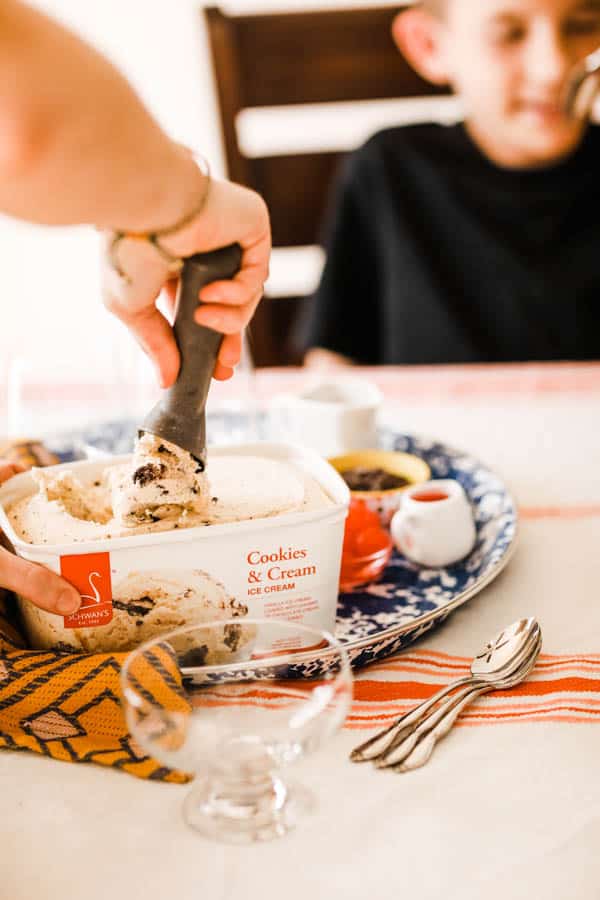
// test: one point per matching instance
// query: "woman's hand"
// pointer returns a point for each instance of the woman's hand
(32, 581)
(232, 214)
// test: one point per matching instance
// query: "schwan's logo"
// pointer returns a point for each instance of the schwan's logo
(96, 598)
(89, 573)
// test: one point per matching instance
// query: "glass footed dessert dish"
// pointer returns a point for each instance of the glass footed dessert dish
(237, 725)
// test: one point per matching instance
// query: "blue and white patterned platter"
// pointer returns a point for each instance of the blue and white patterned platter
(379, 619)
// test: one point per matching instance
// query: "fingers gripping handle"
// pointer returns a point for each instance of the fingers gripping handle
(178, 417)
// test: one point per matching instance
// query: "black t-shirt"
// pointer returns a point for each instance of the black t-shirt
(435, 254)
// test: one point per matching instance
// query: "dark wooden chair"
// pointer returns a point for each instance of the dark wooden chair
(291, 58)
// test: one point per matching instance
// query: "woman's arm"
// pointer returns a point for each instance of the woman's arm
(76, 143)
(78, 146)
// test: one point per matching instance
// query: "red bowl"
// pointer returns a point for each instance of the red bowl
(357, 569)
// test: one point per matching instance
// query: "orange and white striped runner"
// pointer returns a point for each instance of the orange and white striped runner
(562, 688)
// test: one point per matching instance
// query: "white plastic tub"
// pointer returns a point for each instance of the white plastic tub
(134, 587)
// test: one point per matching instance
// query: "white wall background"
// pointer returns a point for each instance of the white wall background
(50, 304)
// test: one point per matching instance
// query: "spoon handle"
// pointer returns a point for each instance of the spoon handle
(424, 748)
(400, 749)
(378, 744)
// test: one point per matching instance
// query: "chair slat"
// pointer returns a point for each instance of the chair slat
(281, 59)
(295, 189)
(321, 57)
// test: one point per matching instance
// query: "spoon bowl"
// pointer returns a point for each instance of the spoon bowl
(504, 650)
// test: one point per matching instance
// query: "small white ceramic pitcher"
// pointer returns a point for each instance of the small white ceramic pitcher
(434, 525)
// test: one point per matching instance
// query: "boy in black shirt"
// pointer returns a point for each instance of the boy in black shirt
(480, 241)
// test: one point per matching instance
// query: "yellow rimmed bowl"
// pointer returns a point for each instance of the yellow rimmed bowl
(405, 465)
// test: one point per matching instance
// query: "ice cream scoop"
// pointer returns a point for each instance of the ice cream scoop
(166, 476)
(179, 416)
(583, 86)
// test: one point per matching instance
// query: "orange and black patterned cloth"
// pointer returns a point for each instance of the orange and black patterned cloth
(64, 705)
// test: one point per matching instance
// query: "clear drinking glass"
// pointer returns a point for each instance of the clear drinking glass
(228, 702)
(46, 396)
(232, 408)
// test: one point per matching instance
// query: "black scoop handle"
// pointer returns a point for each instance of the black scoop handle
(179, 416)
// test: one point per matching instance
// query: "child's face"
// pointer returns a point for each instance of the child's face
(511, 60)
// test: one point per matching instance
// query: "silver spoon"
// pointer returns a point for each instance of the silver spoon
(486, 666)
(401, 748)
(420, 754)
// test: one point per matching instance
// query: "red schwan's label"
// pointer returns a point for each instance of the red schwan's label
(90, 574)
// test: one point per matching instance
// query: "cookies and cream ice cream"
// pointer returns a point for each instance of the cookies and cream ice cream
(235, 487)
(146, 604)
(162, 482)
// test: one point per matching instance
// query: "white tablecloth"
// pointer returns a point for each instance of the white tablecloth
(509, 810)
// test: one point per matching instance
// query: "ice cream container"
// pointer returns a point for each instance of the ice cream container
(283, 566)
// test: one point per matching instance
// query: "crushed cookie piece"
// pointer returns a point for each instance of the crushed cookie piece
(231, 637)
(62, 647)
(194, 657)
(140, 607)
(148, 473)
